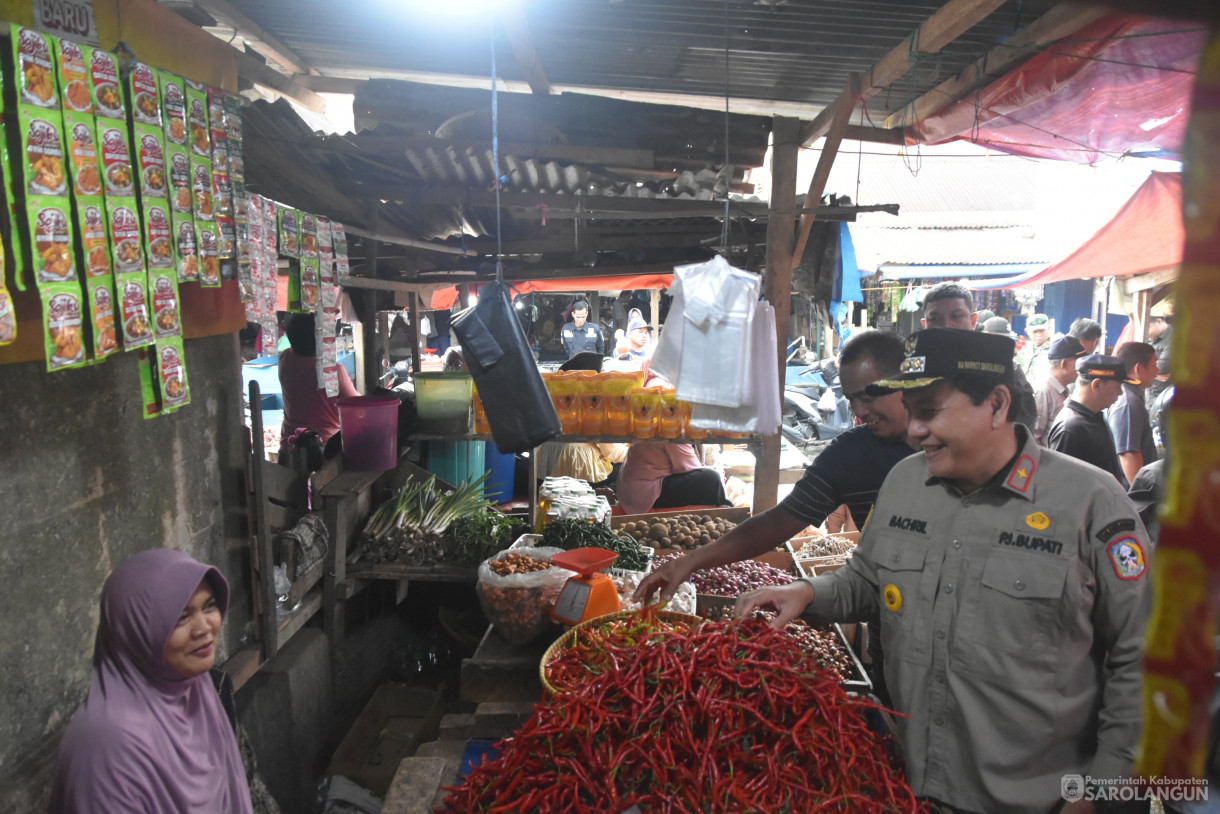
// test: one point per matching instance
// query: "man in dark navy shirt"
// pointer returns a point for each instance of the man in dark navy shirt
(849, 471)
(1080, 430)
(580, 335)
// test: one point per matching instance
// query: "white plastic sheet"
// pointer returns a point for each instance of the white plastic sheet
(760, 415)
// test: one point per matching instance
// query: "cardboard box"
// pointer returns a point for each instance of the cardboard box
(796, 543)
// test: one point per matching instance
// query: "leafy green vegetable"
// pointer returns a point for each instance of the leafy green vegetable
(569, 534)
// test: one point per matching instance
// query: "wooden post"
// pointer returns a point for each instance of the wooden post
(777, 286)
(372, 372)
(414, 306)
(654, 299)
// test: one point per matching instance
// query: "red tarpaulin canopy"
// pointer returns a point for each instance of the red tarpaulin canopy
(445, 298)
(1145, 235)
(1119, 85)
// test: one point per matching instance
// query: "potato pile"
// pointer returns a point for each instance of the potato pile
(683, 532)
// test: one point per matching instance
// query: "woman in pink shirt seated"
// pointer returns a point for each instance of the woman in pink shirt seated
(306, 405)
(667, 476)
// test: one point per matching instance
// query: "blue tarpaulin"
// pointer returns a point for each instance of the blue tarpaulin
(847, 282)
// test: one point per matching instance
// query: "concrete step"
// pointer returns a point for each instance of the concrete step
(499, 719)
(414, 785)
(456, 726)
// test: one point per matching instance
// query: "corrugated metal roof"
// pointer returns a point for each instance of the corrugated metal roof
(798, 51)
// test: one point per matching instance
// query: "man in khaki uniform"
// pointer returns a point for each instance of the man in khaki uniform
(1011, 585)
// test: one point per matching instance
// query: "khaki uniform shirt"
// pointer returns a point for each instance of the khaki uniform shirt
(1012, 623)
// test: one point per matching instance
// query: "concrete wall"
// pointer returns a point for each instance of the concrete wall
(85, 482)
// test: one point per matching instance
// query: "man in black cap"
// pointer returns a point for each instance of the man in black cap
(1051, 393)
(1010, 585)
(581, 335)
(1081, 430)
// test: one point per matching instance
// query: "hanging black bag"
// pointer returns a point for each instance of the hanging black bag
(516, 401)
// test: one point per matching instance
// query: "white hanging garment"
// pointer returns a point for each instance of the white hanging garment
(718, 309)
(761, 414)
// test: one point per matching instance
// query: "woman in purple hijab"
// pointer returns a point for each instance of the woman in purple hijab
(152, 736)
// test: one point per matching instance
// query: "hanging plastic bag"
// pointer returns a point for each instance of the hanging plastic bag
(517, 604)
(515, 400)
(760, 414)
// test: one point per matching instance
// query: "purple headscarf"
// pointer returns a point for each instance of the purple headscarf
(147, 739)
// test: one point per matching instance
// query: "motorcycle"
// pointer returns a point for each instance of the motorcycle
(814, 407)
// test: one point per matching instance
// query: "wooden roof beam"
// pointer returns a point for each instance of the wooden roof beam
(945, 25)
(834, 137)
(1059, 22)
(255, 36)
(512, 17)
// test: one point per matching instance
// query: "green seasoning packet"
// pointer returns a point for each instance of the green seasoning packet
(201, 190)
(99, 280)
(82, 149)
(101, 312)
(164, 287)
(131, 275)
(197, 120)
(74, 78)
(173, 109)
(309, 284)
(50, 224)
(290, 232)
(143, 92)
(158, 235)
(209, 258)
(65, 334)
(8, 319)
(171, 375)
(186, 250)
(150, 158)
(117, 172)
(19, 251)
(35, 69)
(104, 84)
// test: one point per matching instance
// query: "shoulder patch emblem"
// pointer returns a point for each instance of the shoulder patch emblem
(1022, 473)
(1117, 527)
(1038, 521)
(1127, 557)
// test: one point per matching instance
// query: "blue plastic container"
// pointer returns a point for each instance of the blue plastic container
(456, 461)
(502, 468)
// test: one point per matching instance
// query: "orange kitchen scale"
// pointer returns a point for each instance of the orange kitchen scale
(590, 593)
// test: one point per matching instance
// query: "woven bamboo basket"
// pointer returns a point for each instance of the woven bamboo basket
(565, 641)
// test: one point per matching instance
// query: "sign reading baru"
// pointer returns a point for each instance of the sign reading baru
(67, 18)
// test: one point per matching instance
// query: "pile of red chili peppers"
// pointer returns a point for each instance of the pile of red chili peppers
(725, 717)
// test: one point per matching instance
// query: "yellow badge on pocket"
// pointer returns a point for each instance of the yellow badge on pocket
(892, 597)
(1038, 521)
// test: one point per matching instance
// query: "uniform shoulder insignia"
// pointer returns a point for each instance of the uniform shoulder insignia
(1022, 473)
(1127, 557)
(1109, 530)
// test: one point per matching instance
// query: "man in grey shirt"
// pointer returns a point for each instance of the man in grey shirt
(1011, 583)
